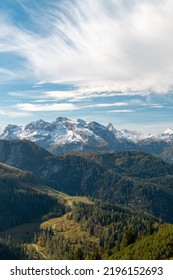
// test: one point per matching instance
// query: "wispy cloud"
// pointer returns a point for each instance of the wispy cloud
(128, 42)
(103, 105)
(6, 75)
(27, 107)
(103, 60)
(13, 114)
(83, 91)
(156, 106)
(121, 111)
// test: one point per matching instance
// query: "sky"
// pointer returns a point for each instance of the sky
(102, 60)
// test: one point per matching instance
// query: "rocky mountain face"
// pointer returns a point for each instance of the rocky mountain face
(64, 135)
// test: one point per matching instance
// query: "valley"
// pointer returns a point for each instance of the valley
(89, 205)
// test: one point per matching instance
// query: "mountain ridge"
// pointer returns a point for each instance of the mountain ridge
(126, 195)
(131, 178)
(64, 135)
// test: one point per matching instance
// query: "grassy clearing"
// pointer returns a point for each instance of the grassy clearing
(63, 197)
(70, 229)
(25, 232)
(69, 232)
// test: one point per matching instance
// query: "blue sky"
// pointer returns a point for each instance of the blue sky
(109, 61)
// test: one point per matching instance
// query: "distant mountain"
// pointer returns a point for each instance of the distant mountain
(150, 143)
(131, 178)
(64, 135)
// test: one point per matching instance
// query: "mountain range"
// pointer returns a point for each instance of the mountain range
(80, 190)
(64, 135)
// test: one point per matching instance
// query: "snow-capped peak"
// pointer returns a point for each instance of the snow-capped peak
(76, 134)
(110, 127)
(168, 131)
(40, 124)
(62, 119)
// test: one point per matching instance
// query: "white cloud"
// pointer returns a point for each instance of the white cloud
(81, 94)
(122, 111)
(13, 114)
(128, 42)
(28, 107)
(117, 104)
(156, 106)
